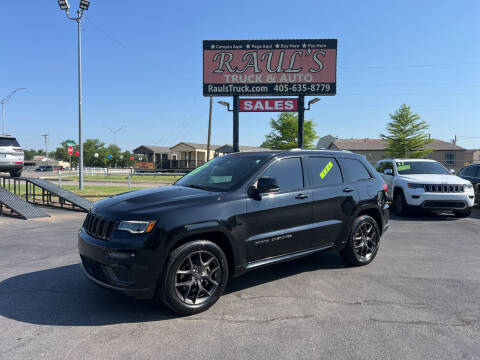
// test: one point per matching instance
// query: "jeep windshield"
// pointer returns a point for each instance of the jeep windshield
(421, 167)
(223, 173)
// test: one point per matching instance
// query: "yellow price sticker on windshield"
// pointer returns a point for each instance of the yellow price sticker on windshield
(326, 169)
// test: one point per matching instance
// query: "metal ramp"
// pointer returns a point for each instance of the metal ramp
(64, 195)
(17, 205)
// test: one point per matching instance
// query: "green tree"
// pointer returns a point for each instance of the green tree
(29, 154)
(92, 147)
(115, 151)
(406, 135)
(285, 130)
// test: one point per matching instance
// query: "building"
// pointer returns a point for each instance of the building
(450, 155)
(227, 149)
(192, 154)
(472, 156)
(151, 157)
(180, 157)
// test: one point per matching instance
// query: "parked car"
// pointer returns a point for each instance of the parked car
(472, 174)
(237, 212)
(44, 168)
(425, 184)
(11, 156)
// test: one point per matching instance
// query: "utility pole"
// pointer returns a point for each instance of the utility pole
(209, 128)
(45, 137)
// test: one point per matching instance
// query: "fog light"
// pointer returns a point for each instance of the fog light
(120, 255)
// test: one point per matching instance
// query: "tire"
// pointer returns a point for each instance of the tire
(399, 203)
(463, 213)
(16, 173)
(203, 267)
(364, 240)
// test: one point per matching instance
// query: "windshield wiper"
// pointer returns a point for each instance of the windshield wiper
(197, 186)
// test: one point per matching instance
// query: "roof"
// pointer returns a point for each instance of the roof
(154, 149)
(471, 151)
(379, 144)
(197, 146)
(229, 148)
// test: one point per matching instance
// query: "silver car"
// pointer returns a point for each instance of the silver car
(11, 156)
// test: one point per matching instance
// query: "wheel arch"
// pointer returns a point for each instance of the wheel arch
(217, 237)
(375, 214)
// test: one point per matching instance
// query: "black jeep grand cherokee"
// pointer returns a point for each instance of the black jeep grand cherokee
(237, 212)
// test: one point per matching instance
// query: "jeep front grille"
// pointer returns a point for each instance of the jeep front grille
(98, 227)
(443, 188)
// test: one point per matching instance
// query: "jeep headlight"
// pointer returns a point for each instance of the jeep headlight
(468, 186)
(136, 227)
(415, 186)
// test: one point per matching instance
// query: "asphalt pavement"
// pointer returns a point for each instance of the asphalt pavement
(419, 299)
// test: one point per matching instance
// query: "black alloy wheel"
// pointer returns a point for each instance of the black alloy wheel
(364, 241)
(195, 277)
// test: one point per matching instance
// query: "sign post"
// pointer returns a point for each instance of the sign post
(301, 118)
(236, 126)
(297, 67)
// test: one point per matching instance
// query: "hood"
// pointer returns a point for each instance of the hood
(143, 204)
(434, 179)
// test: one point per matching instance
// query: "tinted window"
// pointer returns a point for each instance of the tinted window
(9, 142)
(224, 172)
(324, 171)
(389, 165)
(381, 167)
(476, 171)
(288, 173)
(467, 171)
(354, 170)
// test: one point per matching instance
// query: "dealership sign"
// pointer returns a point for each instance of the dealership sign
(269, 67)
(263, 104)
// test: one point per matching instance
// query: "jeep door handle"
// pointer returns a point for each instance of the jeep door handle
(301, 196)
(347, 189)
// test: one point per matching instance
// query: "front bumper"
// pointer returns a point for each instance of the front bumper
(440, 201)
(131, 274)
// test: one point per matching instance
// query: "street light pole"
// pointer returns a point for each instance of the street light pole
(80, 142)
(3, 101)
(84, 4)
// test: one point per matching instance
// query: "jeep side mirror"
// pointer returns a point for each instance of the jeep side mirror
(452, 171)
(267, 185)
(388, 172)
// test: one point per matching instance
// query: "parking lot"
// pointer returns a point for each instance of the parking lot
(419, 299)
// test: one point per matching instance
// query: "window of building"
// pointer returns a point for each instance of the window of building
(450, 159)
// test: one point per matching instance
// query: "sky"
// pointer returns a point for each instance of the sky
(142, 67)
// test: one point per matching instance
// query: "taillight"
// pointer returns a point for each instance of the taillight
(18, 149)
(385, 187)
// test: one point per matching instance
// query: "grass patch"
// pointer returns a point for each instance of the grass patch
(164, 179)
(97, 192)
(90, 192)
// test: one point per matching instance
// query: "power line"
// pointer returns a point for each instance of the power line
(136, 53)
(407, 66)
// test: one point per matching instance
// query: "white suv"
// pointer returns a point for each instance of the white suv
(11, 156)
(425, 184)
